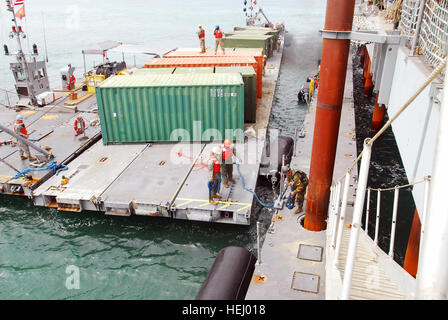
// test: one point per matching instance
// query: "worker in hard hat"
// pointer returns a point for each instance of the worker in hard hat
(214, 175)
(228, 150)
(201, 35)
(219, 41)
(20, 129)
(299, 182)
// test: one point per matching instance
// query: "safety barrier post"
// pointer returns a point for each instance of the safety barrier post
(258, 242)
(341, 220)
(330, 206)
(356, 221)
(377, 221)
(336, 214)
(394, 223)
(366, 226)
(425, 208)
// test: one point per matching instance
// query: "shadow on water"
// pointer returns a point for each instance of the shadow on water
(386, 170)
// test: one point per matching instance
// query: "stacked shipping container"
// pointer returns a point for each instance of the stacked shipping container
(171, 107)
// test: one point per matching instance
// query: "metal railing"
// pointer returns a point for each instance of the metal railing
(427, 29)
(396, 191)
(434, 31)
(337, 208)
(8, 98)
(409, 18)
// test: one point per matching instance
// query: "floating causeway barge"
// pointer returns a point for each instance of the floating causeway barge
(136, 174)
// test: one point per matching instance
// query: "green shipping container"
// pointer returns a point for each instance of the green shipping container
(251, 41)
(180, 70)
(144, 71)
(171, 107)
(250, 90)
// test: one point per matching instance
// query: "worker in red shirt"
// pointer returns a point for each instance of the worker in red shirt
(201, 35)
(214, 175)
(228, 151)
(219, 41)
(20, 129)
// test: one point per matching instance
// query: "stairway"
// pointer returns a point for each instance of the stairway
(369, 281)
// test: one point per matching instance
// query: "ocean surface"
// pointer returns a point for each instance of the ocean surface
(43, 252)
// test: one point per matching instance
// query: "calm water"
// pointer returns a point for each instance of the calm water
(136, 258)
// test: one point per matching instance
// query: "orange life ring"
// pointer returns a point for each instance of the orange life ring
(72, 79)
(79, 125)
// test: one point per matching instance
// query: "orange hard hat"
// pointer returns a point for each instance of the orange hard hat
(227, 143)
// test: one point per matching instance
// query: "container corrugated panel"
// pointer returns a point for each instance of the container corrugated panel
(143, 71)
(256, 32)
(223, 61)
(252, 52)
(251, 41)
(193, 70)
(250, 88)
(175, 107)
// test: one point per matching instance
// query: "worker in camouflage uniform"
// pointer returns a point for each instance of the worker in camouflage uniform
(299, 182)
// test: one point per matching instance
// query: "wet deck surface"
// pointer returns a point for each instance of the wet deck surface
(293, 259)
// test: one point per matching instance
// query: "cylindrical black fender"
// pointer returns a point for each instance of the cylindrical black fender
(229, 276)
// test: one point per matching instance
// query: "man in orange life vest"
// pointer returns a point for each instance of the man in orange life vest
(214, 175)
(20, 129)
(228, 151)
(201, 35)
(219, 41)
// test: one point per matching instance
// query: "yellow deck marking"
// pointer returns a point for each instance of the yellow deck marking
(50, 117)
(27, 112)
(182, 204)
(225, 204)
(223, 207)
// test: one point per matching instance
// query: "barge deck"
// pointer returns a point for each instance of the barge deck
(149, 179)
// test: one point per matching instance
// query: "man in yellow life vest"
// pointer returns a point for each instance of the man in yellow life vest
(228, 151)
(299, 182)
(214, 175)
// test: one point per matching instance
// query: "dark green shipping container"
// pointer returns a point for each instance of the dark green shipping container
(250, 89)
(171, 107)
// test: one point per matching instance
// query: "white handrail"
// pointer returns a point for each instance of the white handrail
(366, 224)
(377, 221)
(361, 192)
(341, 220)
(394, 223)
(336, 214)
(356, 223)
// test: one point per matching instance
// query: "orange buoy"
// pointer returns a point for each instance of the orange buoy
(379, 111)
(368, 84)
(412, 251)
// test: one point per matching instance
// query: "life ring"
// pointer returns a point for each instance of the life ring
(72, 79)
(79, 125)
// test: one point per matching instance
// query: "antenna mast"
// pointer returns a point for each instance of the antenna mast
(21, 58)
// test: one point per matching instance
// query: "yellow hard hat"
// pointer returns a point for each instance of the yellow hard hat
(200, 26)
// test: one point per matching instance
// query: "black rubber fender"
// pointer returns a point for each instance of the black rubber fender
(229, 276)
